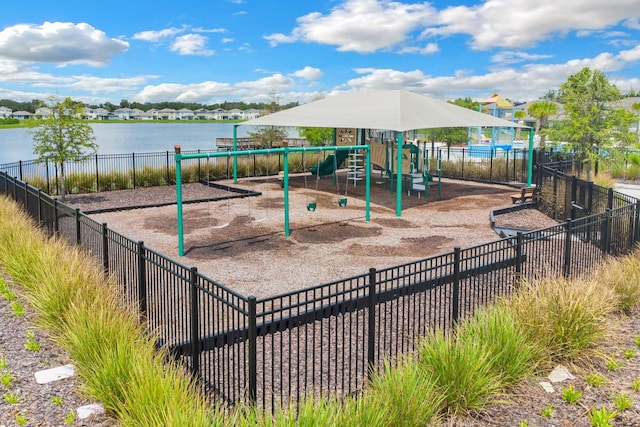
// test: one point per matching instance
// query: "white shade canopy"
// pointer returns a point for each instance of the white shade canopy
(396, 110)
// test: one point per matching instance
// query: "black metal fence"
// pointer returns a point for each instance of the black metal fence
(104, 172)
(326, 339)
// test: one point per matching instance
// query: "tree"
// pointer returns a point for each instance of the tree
(541, 111)
(589, 127)
(266, 136)
(519, 115)
(452, 135)
(62, 137)
(636, 108)
(317, 136)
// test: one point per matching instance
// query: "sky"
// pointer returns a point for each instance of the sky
(213, 51)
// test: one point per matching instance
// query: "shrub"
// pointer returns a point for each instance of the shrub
(622, 276)
(566, 317)
(461, 371)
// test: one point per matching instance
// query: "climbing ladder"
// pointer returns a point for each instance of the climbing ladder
(356, 167)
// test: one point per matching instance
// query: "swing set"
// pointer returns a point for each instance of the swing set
(342, 201)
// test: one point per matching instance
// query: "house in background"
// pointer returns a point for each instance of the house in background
(21, 115)
(96, 113)
(185, 114)
(43, 113)
(5, 112)
(167, 114)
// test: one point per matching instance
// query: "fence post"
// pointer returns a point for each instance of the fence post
(636, 237)
(133, 173)
(195, 322)
(105, 249)
(46, 170)
(519, 244)
(590, 198)
(606, 229)
(506, 168)
(56, 225)
(253, 349)
(20, 170)
(567, 248)
(78, 238)
(97, 175)
(168, 180)
(142, 280)
(462, 177)
(456, 286)
(491, 164)
(610, 198)
(39, 206)
(371, 308)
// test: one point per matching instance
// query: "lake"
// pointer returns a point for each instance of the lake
(120, 138)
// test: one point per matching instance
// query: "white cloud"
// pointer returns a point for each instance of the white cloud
(362, 26)
(429, 49)
(200, 92)
(191, 44)
(227, 40)
(276, 82)
(59, 43)
(513, 57)
(522, 23)
(158, 35)
(209, 91)
(527, 82)
(308, 73)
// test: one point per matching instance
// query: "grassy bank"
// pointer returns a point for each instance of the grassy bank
(544, 323)
(114, 357)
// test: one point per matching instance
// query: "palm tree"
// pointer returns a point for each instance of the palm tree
(541, 111)
(518, 115)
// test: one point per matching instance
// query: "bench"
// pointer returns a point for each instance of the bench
(526, 194)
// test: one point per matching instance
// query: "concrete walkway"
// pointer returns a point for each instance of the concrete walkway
(632, 190)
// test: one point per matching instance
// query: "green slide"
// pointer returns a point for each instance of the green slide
(330, 164)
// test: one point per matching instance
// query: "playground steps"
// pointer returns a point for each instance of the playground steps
(356, 167)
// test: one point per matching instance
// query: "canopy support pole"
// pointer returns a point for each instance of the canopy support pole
(399, 177)
(530, 160)
(235, 158)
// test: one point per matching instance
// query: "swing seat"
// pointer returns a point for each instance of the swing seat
(342, 202)
(311, 207)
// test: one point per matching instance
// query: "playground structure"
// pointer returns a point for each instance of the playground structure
(414, 166)
(500, 138)
(285, 177)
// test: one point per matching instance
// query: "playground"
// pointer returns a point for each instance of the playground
(240, 242)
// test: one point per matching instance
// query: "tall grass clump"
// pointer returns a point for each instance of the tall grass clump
(514, 355)
(567, 318)
(114, 180)
(622, 275)
(151, 176)
(461, 371)
(406, 394)
(114, 357)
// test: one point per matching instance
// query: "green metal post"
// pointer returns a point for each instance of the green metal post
(367, 184)
(285, 150)
(178, 158)
(399, 177)
(439, 173)
(287, 231)
(235, 158)
(530, 162)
